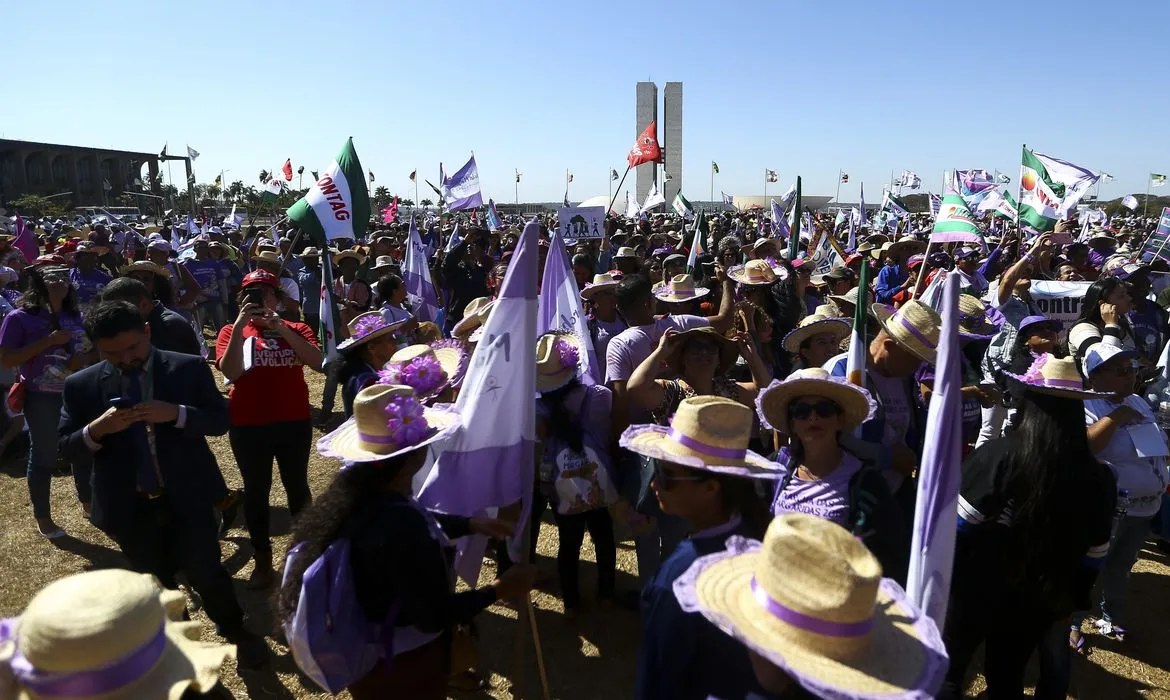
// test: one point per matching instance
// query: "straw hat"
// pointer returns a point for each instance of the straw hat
(812, 601)
(560, 357)
(388, 420)
(857, 406)
(600, 283)
(706, 432)
(728, 351)
(86, 623)
(267, 255)
(311, 252)
(383, 262)
(753, 272)
(823, 320)
(914, 325)
(850, 298)
(366, 327)
(1056, 377)
(474, 315)
(348, 255)
(625, 252)
(454, 357)
(870, 248)
(905, 245)
(681, 288)
(145, 266)
(422, 369)
(977, 321)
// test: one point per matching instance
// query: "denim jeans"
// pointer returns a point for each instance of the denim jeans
(1127, 542)
(212, 313)
(42, 413)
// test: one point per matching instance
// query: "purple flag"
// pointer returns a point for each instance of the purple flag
(462, 188)
(864, 219)
(416, 274)
(560, 304)
(488, 464)
(932, 550)
(25, 241)
(780, 227)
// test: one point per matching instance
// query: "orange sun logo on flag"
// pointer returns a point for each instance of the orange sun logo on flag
(1028, 181)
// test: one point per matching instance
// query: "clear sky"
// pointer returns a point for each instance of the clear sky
(805, 88)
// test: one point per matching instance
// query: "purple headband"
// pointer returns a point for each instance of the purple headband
(704, 448)
(1062, 383)
(806, 622)
(76, 684)
(916, 333)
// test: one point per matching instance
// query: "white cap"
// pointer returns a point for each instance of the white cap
(1100, 353)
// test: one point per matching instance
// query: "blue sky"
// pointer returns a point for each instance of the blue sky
(805, 88)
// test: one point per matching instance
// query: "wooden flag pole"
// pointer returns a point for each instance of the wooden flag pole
(526, 611)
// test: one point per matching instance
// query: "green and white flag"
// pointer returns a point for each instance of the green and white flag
(697, 248)
(681, 206)
(272, 190)
(955, 222)
(1157, 180)
(331, 320)
(337, 205)
(895, 205)
(1039, 195)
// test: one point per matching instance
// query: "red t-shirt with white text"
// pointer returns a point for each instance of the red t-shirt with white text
(274, 389)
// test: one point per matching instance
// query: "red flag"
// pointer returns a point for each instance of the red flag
(646, 149)
(390, 213)
(287, 170)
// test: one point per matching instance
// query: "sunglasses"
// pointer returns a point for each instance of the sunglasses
(708, 349)
(824, 409)
(666, 481)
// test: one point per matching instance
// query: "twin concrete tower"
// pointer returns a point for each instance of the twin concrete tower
(669, 130)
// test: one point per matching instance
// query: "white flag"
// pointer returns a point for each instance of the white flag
(653, 199)
(192, 153)
(631, 205)
(1130, 202)
(1076, 180)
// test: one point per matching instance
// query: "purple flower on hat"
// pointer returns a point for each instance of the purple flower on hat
(424, 374)
(368, 325)
(405, 421)
(568, 352)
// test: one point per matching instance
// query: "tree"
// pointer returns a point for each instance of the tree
(265, 176)
(381, 198)
(406, 202)
(36, 206)
(426, 203)
(235, 190)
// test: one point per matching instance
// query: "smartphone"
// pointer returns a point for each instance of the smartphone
(254, 295)
(120, 402)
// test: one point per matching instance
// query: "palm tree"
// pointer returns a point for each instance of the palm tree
(236, 190)
(265, 176)
(426, 203)
(381, 198)
(406, 202)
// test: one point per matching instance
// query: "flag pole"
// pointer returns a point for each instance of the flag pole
(712, 198)
(765, 185)
(836, 197)
(619, 189)
(1146, 204)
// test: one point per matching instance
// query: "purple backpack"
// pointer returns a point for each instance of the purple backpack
(331, 639)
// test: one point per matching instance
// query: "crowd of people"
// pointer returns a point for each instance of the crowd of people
(769, 497)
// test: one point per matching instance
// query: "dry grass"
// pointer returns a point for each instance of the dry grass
(590, 657)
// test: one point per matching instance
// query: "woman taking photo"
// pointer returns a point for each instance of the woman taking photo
(264, 357)
(704, 475)
(700, 358)
(820, 477)
(1103, 318)
(1035, 512)
(401, 557)
(45, 341)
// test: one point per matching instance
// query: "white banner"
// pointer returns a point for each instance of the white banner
(581, 222)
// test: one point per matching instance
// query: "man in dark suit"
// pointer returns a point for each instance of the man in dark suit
(168, 330)
(144, 414)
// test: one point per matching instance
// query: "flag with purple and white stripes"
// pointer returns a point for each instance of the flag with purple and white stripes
(489, 463)
(416, 273)
(560, 304)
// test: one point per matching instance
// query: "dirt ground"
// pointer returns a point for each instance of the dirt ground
(590, 657)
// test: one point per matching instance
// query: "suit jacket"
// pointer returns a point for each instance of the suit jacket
(189, 470)
(171, 332)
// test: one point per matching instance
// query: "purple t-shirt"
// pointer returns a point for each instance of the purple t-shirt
(88, 285)
(632, 346)
(48, 370)
(207, 274)
(606, 331)
(827, 498)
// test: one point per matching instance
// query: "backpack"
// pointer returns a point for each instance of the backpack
(331, 639)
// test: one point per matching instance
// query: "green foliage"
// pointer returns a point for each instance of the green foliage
(36, 206)
(426, 203)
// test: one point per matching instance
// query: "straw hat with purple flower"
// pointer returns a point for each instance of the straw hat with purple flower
(559, 359)
(710, 433)
(421, 368)
(1056, 377)
(811, 600)
(388, 420)
(366, 327)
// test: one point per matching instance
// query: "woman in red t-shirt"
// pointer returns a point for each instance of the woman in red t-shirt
(263, 356)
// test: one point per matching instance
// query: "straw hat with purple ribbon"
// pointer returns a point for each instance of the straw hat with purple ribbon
(707, 432)
(474, 315)
(1056, 377)
(753, 272)
(914, 326)
(811, 600)
(560, 357)
(976, 320)
(423, 369)
(108, 634)
(366, 327)
(388, 420)
(681, 288)
(601, 283)
(857, 406)
(823, 320)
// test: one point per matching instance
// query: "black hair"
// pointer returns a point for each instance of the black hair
(631, 291)
(124, 289)
(110, 318)
(387, 285)
(36, 295)
(1052, 471)
(325, 520)
(1098, 292)
(560, 424)
(785, 304)
(740, 495)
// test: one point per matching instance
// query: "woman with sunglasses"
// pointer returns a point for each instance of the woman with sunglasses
(703, 474)
(819, 476)
(45, 340)
(1124, 434)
